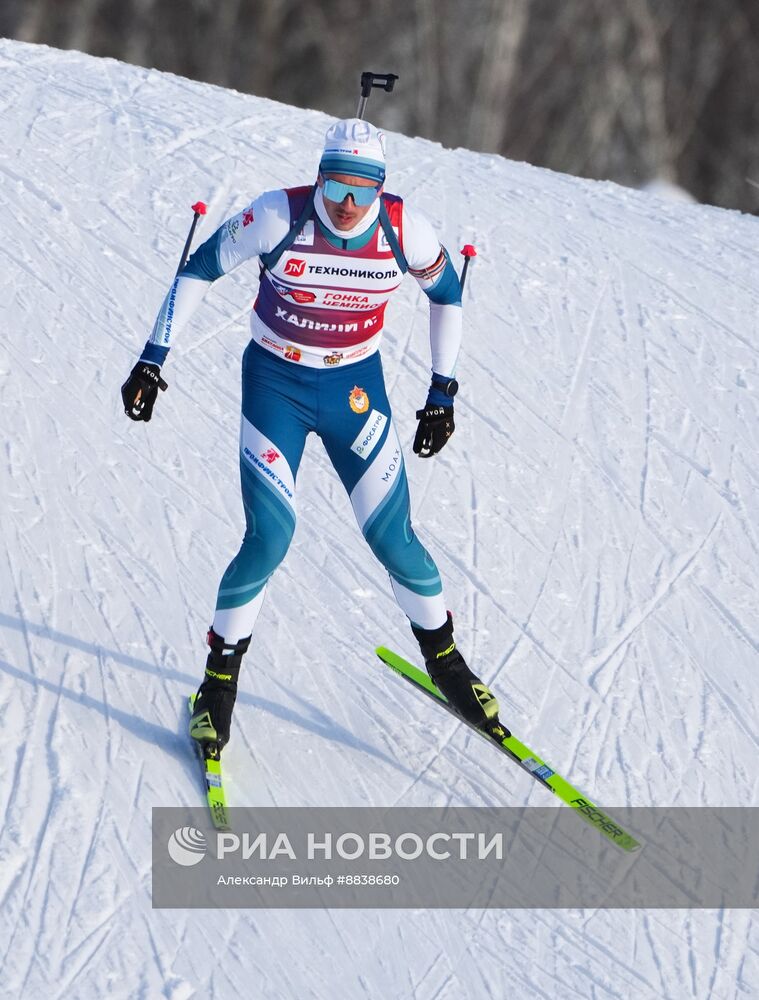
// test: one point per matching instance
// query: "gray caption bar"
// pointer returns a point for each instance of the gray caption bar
(454, 858)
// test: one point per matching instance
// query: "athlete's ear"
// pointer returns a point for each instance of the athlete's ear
(320, 180)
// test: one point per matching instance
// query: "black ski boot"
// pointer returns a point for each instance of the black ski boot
(212, 710)
(473, 700)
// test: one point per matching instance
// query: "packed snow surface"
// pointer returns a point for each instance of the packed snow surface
(595, 518)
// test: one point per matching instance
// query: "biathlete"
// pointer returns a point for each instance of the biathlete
(330, 256)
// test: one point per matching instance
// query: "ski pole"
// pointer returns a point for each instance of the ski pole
(199, 208)
(370, 80)
(468, 252)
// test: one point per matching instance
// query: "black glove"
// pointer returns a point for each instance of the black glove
(435, 427)
(140, 390)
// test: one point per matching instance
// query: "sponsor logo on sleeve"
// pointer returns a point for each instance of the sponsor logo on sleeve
(247, 217)
(270, 455)
(370, 434)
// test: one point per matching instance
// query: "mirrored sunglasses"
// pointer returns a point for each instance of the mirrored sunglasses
(336, 191)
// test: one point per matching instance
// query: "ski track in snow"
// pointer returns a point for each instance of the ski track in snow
(594, 518)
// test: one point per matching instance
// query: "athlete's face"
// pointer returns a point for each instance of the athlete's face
(346, 214)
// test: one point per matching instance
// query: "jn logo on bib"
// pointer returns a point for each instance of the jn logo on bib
(295, 266)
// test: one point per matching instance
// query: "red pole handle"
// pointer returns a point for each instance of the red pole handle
(468, 252)
(199, 208)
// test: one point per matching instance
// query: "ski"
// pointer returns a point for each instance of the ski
(520, 754)
(210, 759)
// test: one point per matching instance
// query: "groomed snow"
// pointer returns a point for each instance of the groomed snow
(595, 517)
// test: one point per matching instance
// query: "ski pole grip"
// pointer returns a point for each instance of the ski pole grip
(370, 80)
(384, 80)
(468, 252)
(199, 208)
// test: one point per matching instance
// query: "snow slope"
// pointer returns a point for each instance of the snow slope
(595, 517)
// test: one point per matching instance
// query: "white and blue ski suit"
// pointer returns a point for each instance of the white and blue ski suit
(313, 365)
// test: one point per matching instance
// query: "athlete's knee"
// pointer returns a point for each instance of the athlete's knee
(392, 552)
(404, 557)
(266, 544)
(259, 555)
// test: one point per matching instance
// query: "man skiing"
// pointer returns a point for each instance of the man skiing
(330, 256)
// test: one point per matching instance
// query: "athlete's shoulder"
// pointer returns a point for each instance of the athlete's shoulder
(270, 204)
(420, 241)
(392, 199)
(302, 191)
(254, 230)
(414, 218)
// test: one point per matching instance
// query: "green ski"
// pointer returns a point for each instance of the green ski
(521, 754)
(210, 759)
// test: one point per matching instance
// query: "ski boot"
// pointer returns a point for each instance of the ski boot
(212, 708)
(464, 691)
